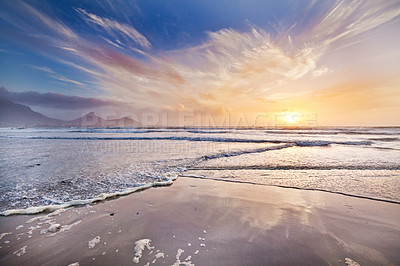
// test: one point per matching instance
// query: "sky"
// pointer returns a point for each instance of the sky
(203, 62)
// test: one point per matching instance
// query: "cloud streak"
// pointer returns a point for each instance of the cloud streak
(56, 76)
(114, 28)
(349, 18)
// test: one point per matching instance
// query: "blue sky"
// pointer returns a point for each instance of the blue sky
(168, 25)
(219, 57)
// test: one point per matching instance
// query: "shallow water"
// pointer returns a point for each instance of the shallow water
(47, 166)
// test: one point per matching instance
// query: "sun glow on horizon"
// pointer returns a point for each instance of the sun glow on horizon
(292, 117)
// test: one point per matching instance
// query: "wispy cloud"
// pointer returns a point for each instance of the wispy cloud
(54, 25)
(114, 28)
(56, 76)
(349, 18)
(231, 70)
(238, 67)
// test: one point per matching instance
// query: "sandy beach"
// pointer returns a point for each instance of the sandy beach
(206, 222)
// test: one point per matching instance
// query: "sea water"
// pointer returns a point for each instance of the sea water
(61, 167)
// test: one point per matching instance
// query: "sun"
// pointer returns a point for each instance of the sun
(292, 118)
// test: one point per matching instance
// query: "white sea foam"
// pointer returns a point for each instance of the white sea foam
(219, 130)
(46, 217)
(19, 236)
(60, 192)
(351, 262)
(209, 139)
(157, 256)
(33, 228)
(179, 253)
(4, 234)
(178, 262)
(20, 251)
(92, 243)
(170, 177)
(52, 229)
(140, 246)
(64, 228)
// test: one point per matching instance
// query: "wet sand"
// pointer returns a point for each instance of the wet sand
(206, 222)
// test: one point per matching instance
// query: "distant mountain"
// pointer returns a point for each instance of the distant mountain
(16, 115)
(88, 120)
(92, 120)
(123, 122)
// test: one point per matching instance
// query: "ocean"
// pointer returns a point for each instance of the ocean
(45, 169)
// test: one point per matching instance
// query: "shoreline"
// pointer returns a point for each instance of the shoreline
(293, 187)
(81, 203)
(240, 224)
(47, 209)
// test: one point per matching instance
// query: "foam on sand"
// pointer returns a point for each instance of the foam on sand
(92, 243)
(55, 229)
(31, 229)
(52, 229)
(103, 196)
(20, 251)
(178, 261)
(140, 246)
(67, 227)
(45, 217)
(157, 256)
(351, 262)
(4, 234)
